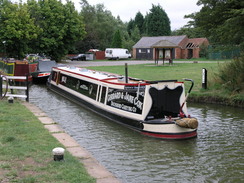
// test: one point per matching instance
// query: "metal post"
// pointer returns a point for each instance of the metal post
(204, 78)
(163, 55)
(4, 49)
(171, 56)
(156, 56)
(126, 73)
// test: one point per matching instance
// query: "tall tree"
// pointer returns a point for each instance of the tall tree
(158, 23)
(220, 20)
(17, 28)
(135, 34)
(117, 40)
(139, 21)
(100, 27)
(191, 32)
(61, 24)
(130, 26)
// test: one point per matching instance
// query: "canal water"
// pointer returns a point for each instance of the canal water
(216, 155)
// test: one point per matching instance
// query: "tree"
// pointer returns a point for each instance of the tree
(139, 21)
(158, 23)
(127, 42)
(220, 21)
(17, 28)
(135, 34)
(130, 26)
(100, 27)
(191, 32)
(61, 24)
(117, 40)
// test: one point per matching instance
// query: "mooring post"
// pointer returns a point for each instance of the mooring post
(204, 78)
(126, 73)
(58, 154)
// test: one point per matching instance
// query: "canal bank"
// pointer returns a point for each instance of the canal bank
(93, 167)
(210, 99)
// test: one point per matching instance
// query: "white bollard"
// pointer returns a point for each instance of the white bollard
(58, 154)
(11, 100)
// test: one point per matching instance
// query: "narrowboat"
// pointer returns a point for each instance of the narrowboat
(12, 67)
(154, 108)
(43, 70)
(37, 70)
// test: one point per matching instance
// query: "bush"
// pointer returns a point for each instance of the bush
(231, 75)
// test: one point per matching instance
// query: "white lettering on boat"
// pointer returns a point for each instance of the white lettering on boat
(113, 96)
(123, 107)
(64, 79)
(126, 97)
(138, 103)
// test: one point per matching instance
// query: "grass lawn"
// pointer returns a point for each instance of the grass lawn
(167, 72)
(26, 150)
(183, 70)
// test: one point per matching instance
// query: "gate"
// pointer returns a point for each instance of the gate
(8, 85)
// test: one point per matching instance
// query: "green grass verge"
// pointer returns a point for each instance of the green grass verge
(214, 93)
(167, 72)
(26, 150)
(202, 59)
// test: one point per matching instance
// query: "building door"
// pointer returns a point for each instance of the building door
(190, 53)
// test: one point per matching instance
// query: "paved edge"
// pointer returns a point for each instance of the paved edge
(93, 167)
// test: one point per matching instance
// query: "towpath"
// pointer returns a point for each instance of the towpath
(93, 167)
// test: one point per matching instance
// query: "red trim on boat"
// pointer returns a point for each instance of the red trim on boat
(43, 74)
(125, 84)
(171, 136)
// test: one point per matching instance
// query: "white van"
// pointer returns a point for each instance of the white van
(117, 53)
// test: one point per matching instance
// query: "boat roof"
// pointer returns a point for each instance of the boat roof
(106, 77)
(88, 72)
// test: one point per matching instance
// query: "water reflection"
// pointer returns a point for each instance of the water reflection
(215, 156)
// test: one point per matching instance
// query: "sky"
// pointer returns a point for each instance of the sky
(127, 9)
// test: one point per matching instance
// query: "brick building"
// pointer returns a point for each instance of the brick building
(168, 47)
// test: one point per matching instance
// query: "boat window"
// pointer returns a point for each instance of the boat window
(81, 86)
(54, 75)
(92, 91)
(103, 94)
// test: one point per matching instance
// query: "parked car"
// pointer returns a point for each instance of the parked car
(117, 53)
(79, 57)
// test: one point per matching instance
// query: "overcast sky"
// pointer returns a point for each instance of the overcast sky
(127, 9)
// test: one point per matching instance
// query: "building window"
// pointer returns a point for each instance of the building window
(148, 50)
(142, 51)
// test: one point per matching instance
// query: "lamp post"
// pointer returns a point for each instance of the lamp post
(4, 48)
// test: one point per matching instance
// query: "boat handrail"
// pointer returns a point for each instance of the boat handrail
(160, 81)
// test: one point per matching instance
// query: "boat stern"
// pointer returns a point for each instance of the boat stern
(168, 130)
